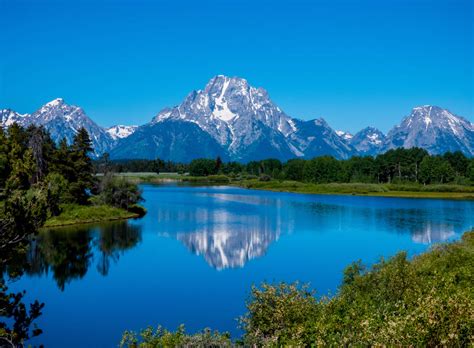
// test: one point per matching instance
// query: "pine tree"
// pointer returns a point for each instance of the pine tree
(82, 164)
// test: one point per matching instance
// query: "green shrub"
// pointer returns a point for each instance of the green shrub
(149, 338)
(427, 301)
(117, 192)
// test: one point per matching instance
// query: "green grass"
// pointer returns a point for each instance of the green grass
(73, 214)
(385, 190)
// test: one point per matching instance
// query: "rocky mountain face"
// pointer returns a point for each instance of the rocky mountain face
(171, 140)
(231, 119)
(435, 129)
(62, 121)
(8, 117)
(368, 142)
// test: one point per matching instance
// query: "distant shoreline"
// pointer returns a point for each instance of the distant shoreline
(441, 191)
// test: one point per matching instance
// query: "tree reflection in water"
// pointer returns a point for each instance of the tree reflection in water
(69, 252)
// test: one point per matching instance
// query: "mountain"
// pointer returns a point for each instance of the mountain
(344, 135)
(315, 138)
(8, 117)
(120, 131)
(236, 121)
(368, 142)
(179, 141)
(62, 121)
(435, 129)
(242, 120)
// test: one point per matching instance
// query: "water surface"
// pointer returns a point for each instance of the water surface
(193, 258)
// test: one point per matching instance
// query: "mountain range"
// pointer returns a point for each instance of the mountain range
(236, 121)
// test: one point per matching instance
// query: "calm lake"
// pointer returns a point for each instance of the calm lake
(193, 258)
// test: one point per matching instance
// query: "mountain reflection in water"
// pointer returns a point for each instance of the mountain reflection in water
(229, 238)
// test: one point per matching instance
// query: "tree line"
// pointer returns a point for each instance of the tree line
(414, 165)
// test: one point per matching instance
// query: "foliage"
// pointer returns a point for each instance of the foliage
(436, 170)
(29, 157)
(397, 166)
(117, 192)
(323, 169)
(150, 338)
(12, 307)
(279, 315)
(203, 167)
(22, 213)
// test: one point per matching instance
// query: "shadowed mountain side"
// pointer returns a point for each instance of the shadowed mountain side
(170, 140)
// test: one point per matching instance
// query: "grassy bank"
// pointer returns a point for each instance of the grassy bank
(426, 301)
(384, 190)
(73, 214)
(410, 190)
(155, 178)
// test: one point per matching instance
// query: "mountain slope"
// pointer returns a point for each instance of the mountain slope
(435, 129)
(169, 140)
(368, 142)
(316, 138)
(8, 117)
(62, 121)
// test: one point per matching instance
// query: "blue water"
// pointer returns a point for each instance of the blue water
(193, 258)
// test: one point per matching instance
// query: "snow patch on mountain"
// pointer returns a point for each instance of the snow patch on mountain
(344, 135)
(120, 131)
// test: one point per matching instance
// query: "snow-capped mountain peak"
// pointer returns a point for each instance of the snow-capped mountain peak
(436, 129)
(55, 102)
(235, 114)
(8, 117)
(120, 131)
(344, 135)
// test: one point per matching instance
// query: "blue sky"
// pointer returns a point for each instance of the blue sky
(355, 63)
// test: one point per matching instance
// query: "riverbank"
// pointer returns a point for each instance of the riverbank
(154, 178)
(360, 189)
(412, 190)
(73, 214)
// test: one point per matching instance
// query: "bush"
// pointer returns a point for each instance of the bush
(163, 338)
(117, 192)
(137, 209)
(265, 177)
(279, 315)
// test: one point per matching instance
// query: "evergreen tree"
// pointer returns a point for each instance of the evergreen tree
(83, 169)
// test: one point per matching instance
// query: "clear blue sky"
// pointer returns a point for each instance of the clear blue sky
(355, 63)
